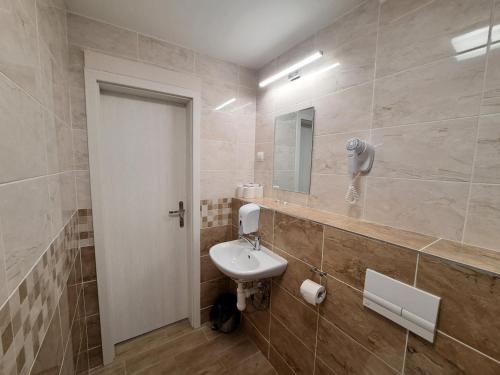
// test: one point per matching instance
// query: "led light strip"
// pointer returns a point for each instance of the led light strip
(315, 56)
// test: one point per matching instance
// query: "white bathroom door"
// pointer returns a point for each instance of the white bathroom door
(142, 166)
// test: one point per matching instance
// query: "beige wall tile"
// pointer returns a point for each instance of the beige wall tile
(361, 21)
(487, 161)
(59, 144)
(445, 356)
(18, 38)
(82, 181)
(328, 192)
(264, 128)
(213, 69)
(462, 314)
(22, 139)
(4, 290)
(165, 54)
(441, 90)
(86, 32)
(215, 93)
(216, 156)
(52, 31)
(217, 184)
(424, 35)
(266, 164)
(247, 77)
(265, 100)
(491, 96)
(392, 10)
(437, 151)
(428, 207)
(217, 126)
(78, 108)
(26, 225)
(357, 63)
(80, 149)
(329, 152)
(484, 216)
(344, 111)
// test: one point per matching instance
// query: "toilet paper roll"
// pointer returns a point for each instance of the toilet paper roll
(312, 292)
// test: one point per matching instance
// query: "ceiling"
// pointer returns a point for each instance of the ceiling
(247, 32)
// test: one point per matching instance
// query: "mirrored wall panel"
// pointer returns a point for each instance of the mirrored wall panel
(293, 143)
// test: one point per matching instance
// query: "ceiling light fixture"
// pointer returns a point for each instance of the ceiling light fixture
(292, 68)
(225, 104)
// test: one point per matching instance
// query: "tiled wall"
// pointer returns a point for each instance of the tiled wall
(341, 336)
(434, 116)
(216, 227)
(227, 136)
(38, 219)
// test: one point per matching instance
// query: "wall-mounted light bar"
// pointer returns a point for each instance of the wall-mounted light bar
(225, 104)
(292, 68)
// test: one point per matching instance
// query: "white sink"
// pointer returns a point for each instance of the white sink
(239, 261)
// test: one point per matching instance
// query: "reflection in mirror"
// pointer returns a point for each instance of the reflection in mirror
(293, 142)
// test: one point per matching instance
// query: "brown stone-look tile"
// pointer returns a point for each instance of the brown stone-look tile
(344, 355)
(50, 356)
(66, 318)
(205, 315)
(211, 289)
(260, 318)
(470, 302)
(301, 238)
(5, 330)
(75, 276)
(89, 272)
(116, 368)
(212, 236)
(266, 222)
(238, 353)
(91, 298)
(321, 368)
(279, 363)
(347, 256)
(343, 307)
(470, 256)
(254, 334)
(296, 272)
(295, 315)
(445, 357)
(93, 331)
(95, 357)
(296, 354)
(82, 366)
(208, 270)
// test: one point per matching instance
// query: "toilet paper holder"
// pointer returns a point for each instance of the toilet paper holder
(319, 272)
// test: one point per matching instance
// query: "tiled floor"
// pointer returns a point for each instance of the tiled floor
(180, 350)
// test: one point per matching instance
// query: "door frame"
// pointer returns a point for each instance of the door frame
(102, 70)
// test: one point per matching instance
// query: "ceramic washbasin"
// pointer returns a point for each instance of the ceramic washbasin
(239, 261)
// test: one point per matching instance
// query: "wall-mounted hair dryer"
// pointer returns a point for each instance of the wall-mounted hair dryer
(360, 157)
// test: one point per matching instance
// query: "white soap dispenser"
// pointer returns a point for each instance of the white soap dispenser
(249, 218)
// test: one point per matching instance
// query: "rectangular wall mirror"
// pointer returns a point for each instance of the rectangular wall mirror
(293, 142)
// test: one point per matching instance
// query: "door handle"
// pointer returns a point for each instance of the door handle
(180, 212)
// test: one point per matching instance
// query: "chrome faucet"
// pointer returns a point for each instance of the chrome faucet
(256, 241)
